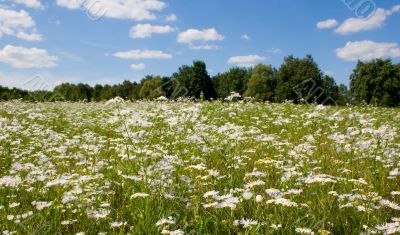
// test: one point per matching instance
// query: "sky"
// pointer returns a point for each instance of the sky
(44, 43)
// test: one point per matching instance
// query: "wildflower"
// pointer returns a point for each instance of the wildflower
(210, 194)
(247, 195)
(276, 226)
(115, 100)
(14, 204)
(304, 231)
(276, 193)
(248, 223)
(176, 232)
(395, 193)
(389, 228)
(254, 183)
(236, 223)
(66, 222)
(283, 202)
(142, 195)
(162, 98)
(163, 221)
(117, 224)
(98, 214)
(26, 215)
(259, 198)
(41, 205)
(10, 181)
(390, 204)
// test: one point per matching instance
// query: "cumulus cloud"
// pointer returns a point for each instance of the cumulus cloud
(245, 37)
(146, 30)
(197, 39)
(171, 18)
(205, 35)
(327, 24)
(376, 20)
(142, 54)
(21, 57)
(246, 61)
(139, 66)
(30, 3)
(127, 9)
(368, 50)
(18, 24)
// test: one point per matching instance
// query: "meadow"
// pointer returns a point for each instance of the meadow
(198, 168)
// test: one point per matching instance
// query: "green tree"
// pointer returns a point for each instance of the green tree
(376, 82)
(151, 88)
(262, 83)
(193, 81)
(330, 92)
(344, 94)
(299, 79)
(232, 81)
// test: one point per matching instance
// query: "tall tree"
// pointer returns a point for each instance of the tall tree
(262, 83)
(299, 79)
(232, 81)
(376, 82)
(151, 88)
(194, 81)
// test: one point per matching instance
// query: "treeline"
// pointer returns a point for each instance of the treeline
(298, 79)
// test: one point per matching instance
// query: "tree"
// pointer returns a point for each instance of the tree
(195, 81)
(376, 82)
(299, 79)
(345, 95)
(97, 92)
(151, 88)
(330, 94)
(262, 83)
(232, 81)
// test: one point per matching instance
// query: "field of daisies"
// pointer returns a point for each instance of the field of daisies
(198, 168)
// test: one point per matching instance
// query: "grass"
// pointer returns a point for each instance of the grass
(198, 168)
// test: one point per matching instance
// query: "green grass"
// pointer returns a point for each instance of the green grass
(92, 165)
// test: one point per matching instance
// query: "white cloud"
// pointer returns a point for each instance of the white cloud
(368, 50)
(327, 24)
(171, 18)
(30, 3)
(376, 20)
(192, 36)
(142, 54)
(146, 30)
(203, 47)
(246, 61)
(18, 24)
(21, 57)
(70, 4)
(205, 35)
(245, 37)
(139, 66)
(274, 50)
(127, 9)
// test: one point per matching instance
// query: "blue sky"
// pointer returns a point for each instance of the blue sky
(43, 43)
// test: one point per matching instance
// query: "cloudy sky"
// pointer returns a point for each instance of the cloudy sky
(45, 42)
